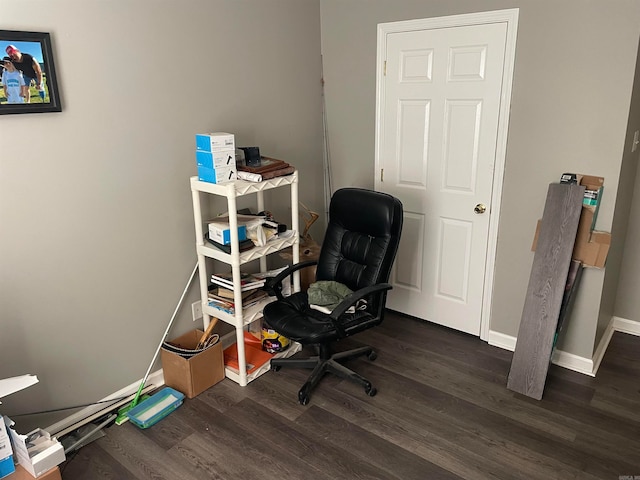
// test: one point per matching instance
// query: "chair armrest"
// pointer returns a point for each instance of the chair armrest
(273, 285)
(351, 300)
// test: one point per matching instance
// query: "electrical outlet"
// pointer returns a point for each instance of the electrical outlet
(196, 310)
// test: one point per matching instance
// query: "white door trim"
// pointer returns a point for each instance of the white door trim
(510, 17)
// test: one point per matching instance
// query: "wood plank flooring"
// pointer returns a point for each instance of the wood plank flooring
(442, 412)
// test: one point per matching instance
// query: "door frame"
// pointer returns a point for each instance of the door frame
(510, 17)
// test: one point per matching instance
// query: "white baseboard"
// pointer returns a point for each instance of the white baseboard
(587, 366)
(573, 362)
(506, 342)
(626, 326)
(560, 358)
(156, 379)
(598, 355)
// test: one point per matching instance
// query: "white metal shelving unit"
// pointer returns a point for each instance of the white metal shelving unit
(242, 317)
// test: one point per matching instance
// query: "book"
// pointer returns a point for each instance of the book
(278, 173)
(228, 293)
(247, 281)
(248, 297)
(222, 306)
(266, 164)
(228, 305)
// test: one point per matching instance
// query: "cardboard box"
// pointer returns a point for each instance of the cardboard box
(221, 159)
(217, 175)
(197, 373)
(22, 474)
(594, 253)
(37, 452)
(590, 248)
(210, 142)
(594, 187)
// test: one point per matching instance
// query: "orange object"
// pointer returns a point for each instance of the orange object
(22, 474)
(255, 357)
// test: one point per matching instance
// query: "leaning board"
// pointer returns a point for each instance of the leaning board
(551, 261)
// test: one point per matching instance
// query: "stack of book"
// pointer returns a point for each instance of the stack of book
(268, 168)
(247, 281)
(221, 294)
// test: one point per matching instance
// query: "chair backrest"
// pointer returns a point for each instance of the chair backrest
(362, 238)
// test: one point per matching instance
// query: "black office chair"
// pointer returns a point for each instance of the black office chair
(358, 250)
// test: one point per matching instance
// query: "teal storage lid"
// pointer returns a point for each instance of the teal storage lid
(155, 408)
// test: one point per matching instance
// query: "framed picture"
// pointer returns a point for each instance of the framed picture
(28, 82)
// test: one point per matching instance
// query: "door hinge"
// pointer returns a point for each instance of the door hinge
(382, 174)
(384, 74)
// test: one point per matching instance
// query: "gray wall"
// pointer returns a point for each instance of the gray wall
(97, 234)
(574, 70)
(627, 300)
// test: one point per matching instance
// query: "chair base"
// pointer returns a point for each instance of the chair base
(327, 363)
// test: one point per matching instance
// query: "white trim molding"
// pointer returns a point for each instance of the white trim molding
(573, 362)
(626, 326)
(587, 366)
(506, 342)
(560, 358)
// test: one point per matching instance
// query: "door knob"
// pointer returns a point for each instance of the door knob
(480, 208)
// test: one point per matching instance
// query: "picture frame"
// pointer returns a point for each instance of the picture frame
(31, 55)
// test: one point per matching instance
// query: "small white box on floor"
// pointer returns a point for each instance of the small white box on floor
(210, 142)
(37, 452)
(222, 158)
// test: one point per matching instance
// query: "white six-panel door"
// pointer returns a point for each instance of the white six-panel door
(439, 108)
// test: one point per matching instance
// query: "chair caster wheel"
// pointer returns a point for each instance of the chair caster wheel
(372, 356)
(303, 398)
(371, 391)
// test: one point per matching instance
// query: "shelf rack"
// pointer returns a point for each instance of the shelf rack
(242, 317)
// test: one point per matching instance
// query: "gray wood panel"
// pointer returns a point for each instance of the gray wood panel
(546, 287)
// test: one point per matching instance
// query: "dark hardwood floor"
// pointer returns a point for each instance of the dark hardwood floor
(442, 412)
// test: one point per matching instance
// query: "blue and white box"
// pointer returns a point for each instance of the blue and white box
(7, 467)
(212, 142)
(220, 231)
(222, 158)
(217, 175)
(6, 453)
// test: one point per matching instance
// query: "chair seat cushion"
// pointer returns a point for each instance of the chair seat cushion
(294, 319)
